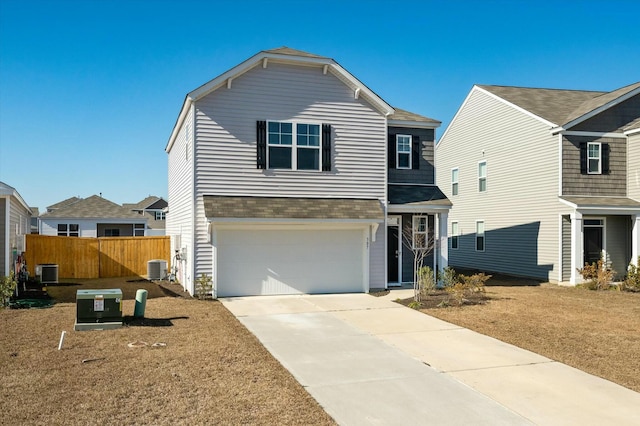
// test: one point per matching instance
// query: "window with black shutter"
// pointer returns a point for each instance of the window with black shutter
(605, 158)
(417, 151)
(261, 138)
(326, 147)
(392, 151)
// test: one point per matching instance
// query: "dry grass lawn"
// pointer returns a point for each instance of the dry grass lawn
(211, 371)
(594, 331)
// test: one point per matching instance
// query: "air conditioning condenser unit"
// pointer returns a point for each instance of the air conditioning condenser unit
(156, 269)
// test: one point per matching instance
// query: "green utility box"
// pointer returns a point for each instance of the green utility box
(98, 309)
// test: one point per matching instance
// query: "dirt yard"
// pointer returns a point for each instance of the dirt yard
(211, 371)
(594, 331)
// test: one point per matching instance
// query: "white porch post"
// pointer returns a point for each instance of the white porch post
(577, 247)
(443, 256)
(635, 238)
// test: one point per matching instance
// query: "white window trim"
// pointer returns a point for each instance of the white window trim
(456, 182)
(414, 227)
(484, 236)
(294, 145)
(398, 152)
(480, 178)
(599, 158)
(455, 234)
(67, 231)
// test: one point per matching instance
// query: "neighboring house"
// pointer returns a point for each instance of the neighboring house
(288, 175)
(15, 222)
(91, 217)
(34, 220)
(155, 210)
(543, 180)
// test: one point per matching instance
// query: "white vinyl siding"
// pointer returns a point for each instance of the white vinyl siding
(226, 138)
(482, 176)
(633, 166)
(179, 219)
(454, 181)
(520, 210)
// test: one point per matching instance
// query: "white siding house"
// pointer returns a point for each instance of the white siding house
(278, 179)
(15, 222)
(514, 163)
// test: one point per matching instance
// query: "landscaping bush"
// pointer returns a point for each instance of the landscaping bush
(448, 277)
(597, 276)
(204, 287)
(632, 280)
(426, 280)
(7, 286)
(464, 287)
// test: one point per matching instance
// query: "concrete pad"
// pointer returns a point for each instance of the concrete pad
(347, 302)
(267, 305)
(556, 394)
(430, 399)
(461, 349)
(392, 320)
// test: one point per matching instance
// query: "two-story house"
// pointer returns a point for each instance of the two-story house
(154, 209)
(15, 222)
(543, 180)
(288, 175)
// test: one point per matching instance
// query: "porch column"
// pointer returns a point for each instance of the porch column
(443, 253)
(577, 248)
(635, 238)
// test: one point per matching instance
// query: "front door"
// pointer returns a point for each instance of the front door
(592, 244)
(393, 251)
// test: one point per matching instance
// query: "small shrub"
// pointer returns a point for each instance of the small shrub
(448, 277)
(426, 281)
(414, 304)
(632, 280)
(204, 287)
(7, 287)
(597, 276)
(466, 286)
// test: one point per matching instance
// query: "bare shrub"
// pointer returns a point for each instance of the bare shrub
(597, 276)
(466, 286)
(632, 280)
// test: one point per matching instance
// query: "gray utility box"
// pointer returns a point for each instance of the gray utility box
(98, 309)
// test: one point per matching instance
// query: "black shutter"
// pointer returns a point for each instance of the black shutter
(261, 139)
(605, 159)
(416, 153)
(392, 151)
(583, 158)
(326, 147)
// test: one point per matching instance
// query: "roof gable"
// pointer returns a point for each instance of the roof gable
(596, 105)
(93, 207)
(402, 117)
(10, 191)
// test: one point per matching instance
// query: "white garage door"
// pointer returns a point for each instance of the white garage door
(266, 262)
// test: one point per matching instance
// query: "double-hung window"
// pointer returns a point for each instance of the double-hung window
(420, 232)
(454, 235)
(160, 215)
(294, 146)
(594, 158)
(454, 181)
(403, 151)
(480, 235)
(68, 230)
(138, 230)
(482, 176)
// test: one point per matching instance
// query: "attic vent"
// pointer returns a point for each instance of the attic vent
(156, 269)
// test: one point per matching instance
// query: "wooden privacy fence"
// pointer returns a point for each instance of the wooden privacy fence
(102, 257)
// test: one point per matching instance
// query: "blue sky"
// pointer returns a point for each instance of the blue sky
(90, 90)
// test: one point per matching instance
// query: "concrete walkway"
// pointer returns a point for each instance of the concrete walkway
(368, 360)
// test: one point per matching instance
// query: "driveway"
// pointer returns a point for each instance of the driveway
(368, 360)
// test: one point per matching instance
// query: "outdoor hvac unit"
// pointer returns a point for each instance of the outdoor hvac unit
(98, 309)
(156, 269)
(48, 273)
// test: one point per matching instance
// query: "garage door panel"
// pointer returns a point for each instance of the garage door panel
(289, 262)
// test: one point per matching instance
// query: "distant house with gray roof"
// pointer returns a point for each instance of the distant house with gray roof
(155, 210)
(288, 175)
(91, 217)
(543, 180)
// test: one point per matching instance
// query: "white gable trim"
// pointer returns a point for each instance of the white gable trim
(604, 107)
(413, 124)
(453, 120)
(594, 134)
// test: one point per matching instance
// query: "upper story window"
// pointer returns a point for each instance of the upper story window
(482, 176)
(294, 146)
(68, 230)
(403, 151)
(160, 215)
(594, 158)
(454, 181)
(420, 232)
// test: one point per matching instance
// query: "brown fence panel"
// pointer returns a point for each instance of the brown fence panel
(75, 257)
(128, 256)
(96, 257)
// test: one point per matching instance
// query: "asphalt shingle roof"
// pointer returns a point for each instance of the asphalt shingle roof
(291, 208)
(93, 207)
(416, 194)
(284, 50)
(622, 202)
(403, 115)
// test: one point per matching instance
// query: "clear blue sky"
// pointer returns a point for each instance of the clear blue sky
(90, 90)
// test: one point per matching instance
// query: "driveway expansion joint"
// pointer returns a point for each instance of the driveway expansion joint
(494, 367)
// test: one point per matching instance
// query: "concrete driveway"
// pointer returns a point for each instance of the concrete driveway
(368, 360)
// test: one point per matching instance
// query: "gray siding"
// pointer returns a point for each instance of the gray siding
(520, 207)
(4, 249)
(614, 118)
(179, 220)
(576, 183)
(377, 259)
(425, 173)
(566, 248)
(633, 166)
(618, 243)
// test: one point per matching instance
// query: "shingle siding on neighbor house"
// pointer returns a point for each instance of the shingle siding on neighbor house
(576, 182)
(425, 172)
(633, 173)
(180, 191)
(520, 207)
(612, 119)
